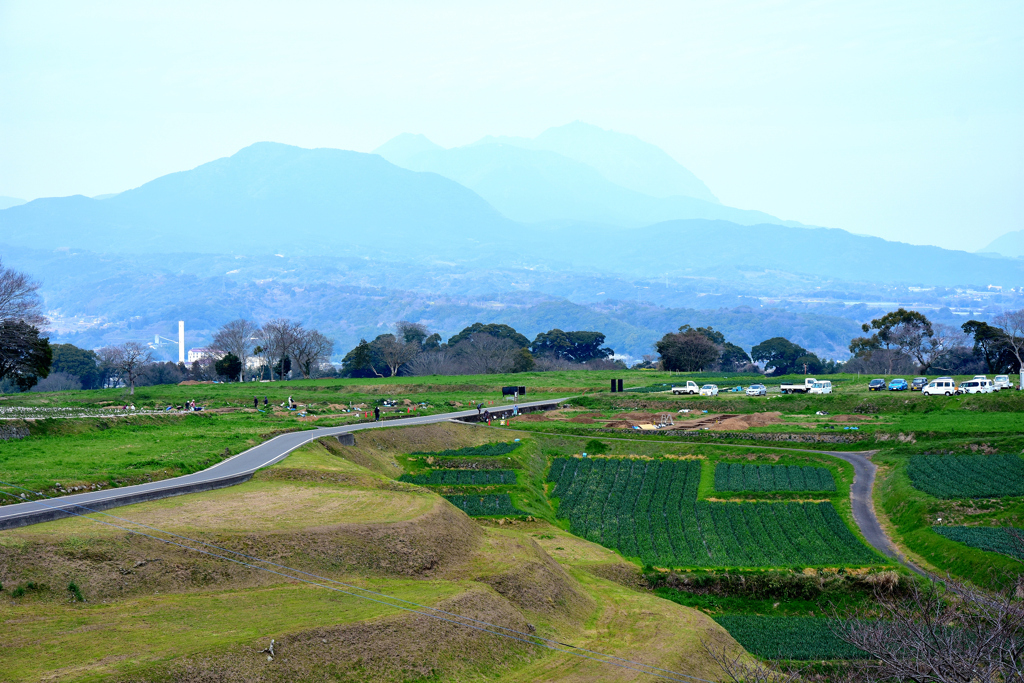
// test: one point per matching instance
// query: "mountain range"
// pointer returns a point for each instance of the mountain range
(580, 215)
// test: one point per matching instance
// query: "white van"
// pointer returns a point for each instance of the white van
(944, 386)
(688, 388)
(823, 387)
(1002, 382)
(972, 386)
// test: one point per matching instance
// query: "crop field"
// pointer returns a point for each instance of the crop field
(993, 539)
(461, 477)
(487, 449)
(968, 476)
(649, 509)
(800, 638)
(768, 478)
(485, 505)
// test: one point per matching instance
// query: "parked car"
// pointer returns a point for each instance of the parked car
(944, 386)
(757, 390)
(988, 386)
(1002, 382)
(898, 385)
(822, 387)
(876, 385)
(688, 388)
(918, 383)
(709, 390)
(972, 386)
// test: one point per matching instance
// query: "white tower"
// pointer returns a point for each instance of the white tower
(181, 341)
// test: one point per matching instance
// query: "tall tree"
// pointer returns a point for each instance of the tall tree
(576, 347)
(25, 357)
(496, 330)
(80, 363)
(19, 298)
(395, 352)
(276, 338)
(129, 359)
(687, 350)
(990, 344)
(238, 338)
(310, 349)
(1012, 324)
(781, 356)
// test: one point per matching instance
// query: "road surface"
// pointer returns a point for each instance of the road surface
(234, 470)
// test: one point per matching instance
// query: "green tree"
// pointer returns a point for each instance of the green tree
(576, 347)
(25, 357)
(229, 366)
(495, 330)
(733, 357)
(990, 344)
(687, 351)
(80, 363)
(781, 356)
(523, 361)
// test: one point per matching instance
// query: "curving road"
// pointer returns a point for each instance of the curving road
(234, 470)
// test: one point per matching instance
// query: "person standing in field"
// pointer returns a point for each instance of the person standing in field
(376, 414)
(256, 402)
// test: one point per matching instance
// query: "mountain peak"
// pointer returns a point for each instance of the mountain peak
(399, 149)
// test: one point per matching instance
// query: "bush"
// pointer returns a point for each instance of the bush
(595, 447)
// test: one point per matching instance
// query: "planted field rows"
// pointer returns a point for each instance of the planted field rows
(461, 477)
(485, 449)
(768, 478)
(649, 509)
(1008, 541)
(967, 476)
(483, 506)
(802, 638)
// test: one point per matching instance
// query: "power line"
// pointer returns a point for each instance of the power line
(527, 638)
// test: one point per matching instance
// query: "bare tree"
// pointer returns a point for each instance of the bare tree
(309, 349)
(739, 667)
(19, 298)
(483, 354)
(236, 337)
(440, 362)
(951, 633)
(396, 352)
(276, 339)
(128, 360)
(1012, 324)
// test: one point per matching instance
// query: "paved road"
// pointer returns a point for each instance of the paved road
(232, 471)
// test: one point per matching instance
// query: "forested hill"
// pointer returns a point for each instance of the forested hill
(268, 197)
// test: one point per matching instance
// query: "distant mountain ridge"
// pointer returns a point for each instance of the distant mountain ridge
(1011, 244)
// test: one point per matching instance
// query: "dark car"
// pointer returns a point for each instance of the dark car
(876, 385)
(918, 383)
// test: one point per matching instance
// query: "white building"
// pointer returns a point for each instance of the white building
(197, 354)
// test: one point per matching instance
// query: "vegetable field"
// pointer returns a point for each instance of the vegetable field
(801, 638)
(461, 477)
(482, 506)
(485, 449)
(766, 478)
(993, 539)
(967, 476)
(649, 509)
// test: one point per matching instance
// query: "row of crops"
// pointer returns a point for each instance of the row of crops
(649, 509)
(461, 477)
(764, 478)
(487, 449)
(967, 476)
(993, 539)
(483, 506)
(803, 638)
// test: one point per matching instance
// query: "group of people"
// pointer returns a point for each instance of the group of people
(189, 405)
(256, 402)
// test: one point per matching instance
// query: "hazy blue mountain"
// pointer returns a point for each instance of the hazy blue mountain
(1011, 244)
(625, 160)
(399, 149)
(267, 197)
(7, 202)
(538, 185)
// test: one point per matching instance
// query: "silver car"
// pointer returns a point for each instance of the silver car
(757, 390)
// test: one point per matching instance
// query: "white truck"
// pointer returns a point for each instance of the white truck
(790, 388)
(688, 388)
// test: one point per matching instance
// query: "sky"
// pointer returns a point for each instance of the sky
(903, 120)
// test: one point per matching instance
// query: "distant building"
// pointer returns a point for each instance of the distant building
(198, 354)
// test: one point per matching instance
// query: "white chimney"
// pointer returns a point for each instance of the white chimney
(181, 341)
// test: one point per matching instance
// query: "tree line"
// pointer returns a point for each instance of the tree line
(476, 350)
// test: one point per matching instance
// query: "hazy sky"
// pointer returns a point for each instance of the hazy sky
(898, 119)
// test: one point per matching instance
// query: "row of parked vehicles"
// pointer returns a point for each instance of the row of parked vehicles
(945, 386)
(809, 386)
